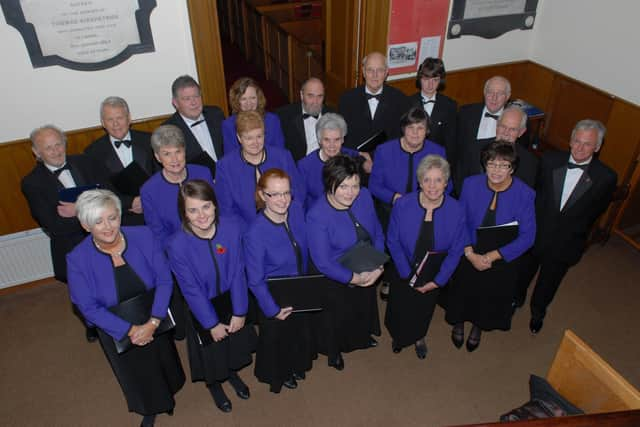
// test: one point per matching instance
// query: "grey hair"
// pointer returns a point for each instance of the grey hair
(588, 124)
(366, 58)
(92, 203)
(34, 133)
(183, 82)
(331, 121)
(500, 78)
(114, 102)
(433, 161)
(516, 108)
(166, 135)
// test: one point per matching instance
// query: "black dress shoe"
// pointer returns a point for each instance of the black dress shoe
(298, 376)
(243, 393)
(170, 412)
(291, 383)
(224, 406)
(395, 347)
(241, 389)
(472, 344)
(421, 349)
(372, 342)
(220, 399)
(91, 334)
(457, 337)
(535, 325)
(337, 362)
(148, 421)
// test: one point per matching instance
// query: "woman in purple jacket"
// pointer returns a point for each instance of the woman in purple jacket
(113, 265)
(206, 258)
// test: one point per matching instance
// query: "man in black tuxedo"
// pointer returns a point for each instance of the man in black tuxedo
(441, 109)
(477, 124)
(201, 125)
(298, 120)
(54, 171)
(373, 107)
(573, 190)
(511, 125)
(120, 148)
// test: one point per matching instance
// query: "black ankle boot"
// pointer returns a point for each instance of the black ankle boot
(221, 400)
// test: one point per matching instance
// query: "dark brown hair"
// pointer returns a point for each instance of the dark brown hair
(199, 190)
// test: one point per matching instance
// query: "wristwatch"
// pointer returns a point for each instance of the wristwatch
(155, 322)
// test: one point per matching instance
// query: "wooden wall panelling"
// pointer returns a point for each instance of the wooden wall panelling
(621, 139)
(205, 34)
(536, 86)
(341, 50)
(375, 28)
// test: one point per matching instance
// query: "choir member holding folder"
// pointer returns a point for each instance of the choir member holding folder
(426, 239)
(114, 266)
(501, 226)
(346, 244)
(206, 258)
(276, 245)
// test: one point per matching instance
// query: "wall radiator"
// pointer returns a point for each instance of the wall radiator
(24, 257)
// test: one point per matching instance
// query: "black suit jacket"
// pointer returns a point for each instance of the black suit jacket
(40, 187)
(562, 234)
(292, 125)
(213, 116)
(443, 119)
(354, 107)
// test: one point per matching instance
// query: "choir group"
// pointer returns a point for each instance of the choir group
(199, 220)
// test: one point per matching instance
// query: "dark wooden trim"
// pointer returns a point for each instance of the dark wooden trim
(25, 286)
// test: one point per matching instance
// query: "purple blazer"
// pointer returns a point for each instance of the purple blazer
(160, 202)
(449, 234)
(516, 203)
(273, 135)
(191, 261)
(92, 285)
(331, 233)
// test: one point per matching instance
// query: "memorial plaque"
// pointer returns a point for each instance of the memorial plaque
(85, 35)
(490, 18)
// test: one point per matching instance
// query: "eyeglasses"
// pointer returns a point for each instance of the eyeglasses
(284, 194)
(499, 166)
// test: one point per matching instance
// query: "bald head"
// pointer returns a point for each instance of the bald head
(512, 124)
(374, 69)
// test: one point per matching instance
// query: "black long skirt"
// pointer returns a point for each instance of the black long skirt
(213, 362)
(285, 347)
(409, 313)
(149, 376)
(483, 297)
(349, 319)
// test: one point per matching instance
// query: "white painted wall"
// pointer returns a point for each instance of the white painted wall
(70, 99)
(593, 41)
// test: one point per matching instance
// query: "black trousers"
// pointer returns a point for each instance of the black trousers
(552, 272)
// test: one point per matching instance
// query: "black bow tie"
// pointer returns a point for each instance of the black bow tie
(428, 101)
(305, 116)
(126, 142)
(575, 166)
(58, 171)
(493, 116)
(197, 122)
(377, 97)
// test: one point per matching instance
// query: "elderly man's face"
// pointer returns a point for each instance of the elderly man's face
(50, 148)
(188, 102)
(584, 144)
(312, 97)
(508, 127)
(375, 72)
(496, 95)
(116, 121)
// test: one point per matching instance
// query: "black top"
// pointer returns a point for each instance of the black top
(423, 244)
(489, 219)
(362, 235)
(128, 283)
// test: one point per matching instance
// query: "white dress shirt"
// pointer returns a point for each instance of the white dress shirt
(310, 132)
(487, 128)
(125, 154)
(571, 180)
(428, 106)
(373, 102)
(65, 178)
(202, 134)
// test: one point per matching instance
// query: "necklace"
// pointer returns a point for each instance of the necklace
(113, 253)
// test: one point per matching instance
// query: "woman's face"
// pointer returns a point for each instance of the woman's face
(106, 229)
(249, 99)
(347, 191)
(331, 142)
(252, 141)
(433, 184)
(415, 134)
(171, 158)
(498, 170)
(276, 196)
(199, 213)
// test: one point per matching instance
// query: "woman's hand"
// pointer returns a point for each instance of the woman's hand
(142, 334)
(427, 287)
(219, 332)
(368, 278)
(284, 313)
(368, 161)
(479, 262)
(236, 323)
